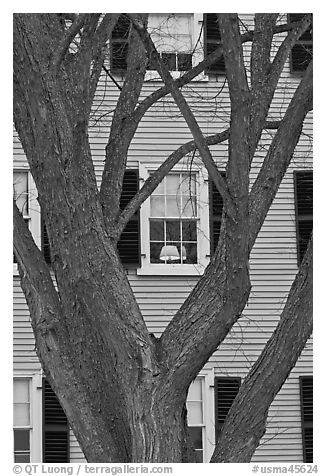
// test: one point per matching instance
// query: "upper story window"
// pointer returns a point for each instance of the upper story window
(301, 53)
(119, 44)
(175, 226)
(212, 39)
(173, 37)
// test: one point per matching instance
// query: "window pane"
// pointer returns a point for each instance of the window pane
(21, 191)
(195, 390)
(189, 206)
(157, 230)
(172, 184)
(195, 413)
(196, 437)
(21, 414)
(22, 457)
(191, 253)
(171, 252)
(188, 184)
(173, 230)
(159, 189)
(189, 230)
(155, 250)
(21, 391)
(21, 440)
(173, 206)
(157, 206)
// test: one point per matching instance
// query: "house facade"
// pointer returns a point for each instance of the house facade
(167, 245)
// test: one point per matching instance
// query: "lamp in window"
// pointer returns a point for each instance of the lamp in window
(169, 253)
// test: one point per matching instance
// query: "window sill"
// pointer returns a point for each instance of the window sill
(171, 270)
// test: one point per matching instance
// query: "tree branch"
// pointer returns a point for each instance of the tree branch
(265, 76)
(279, 156)
(69, 35)
(35, 276)
(246, 420)
(153, 181)
(189, 118)
(122, 130)
(195, 71)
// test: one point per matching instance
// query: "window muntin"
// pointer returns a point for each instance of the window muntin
(22, 421)
(173, 220)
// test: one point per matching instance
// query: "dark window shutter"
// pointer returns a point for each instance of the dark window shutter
(119, 45)
(215, 213)
(226, 389)
(45, 244)
(129, 243)
(55, 428)
(212, 39)
(301, 53)
(306, 397)
(303, 185)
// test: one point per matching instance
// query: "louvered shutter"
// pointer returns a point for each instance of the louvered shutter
(301, 52)
(129, 243)
(215, 213)
(119, 45)
(306, 395)
(226, 389)
(303, 182)
(45, 244)
(212, 39)
(55, 428)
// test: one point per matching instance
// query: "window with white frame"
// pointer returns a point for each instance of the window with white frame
(175, 225)
(195, 409)
(21, 193)
(25, 196)
(22, 421)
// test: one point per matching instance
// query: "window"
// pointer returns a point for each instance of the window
(306, 397)
(226, 389)
(196, 416)
(212, 39)
(303, 185)
(55, 428)
(175, 225)
(172, 35)
(22, 421)
(25, 195)
(119, 45)
(301, 53)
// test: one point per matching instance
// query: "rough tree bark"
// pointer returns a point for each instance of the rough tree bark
(123, 391)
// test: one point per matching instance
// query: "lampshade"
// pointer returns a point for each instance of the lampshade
(169, 252)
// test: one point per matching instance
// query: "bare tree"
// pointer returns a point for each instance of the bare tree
(91, 337)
